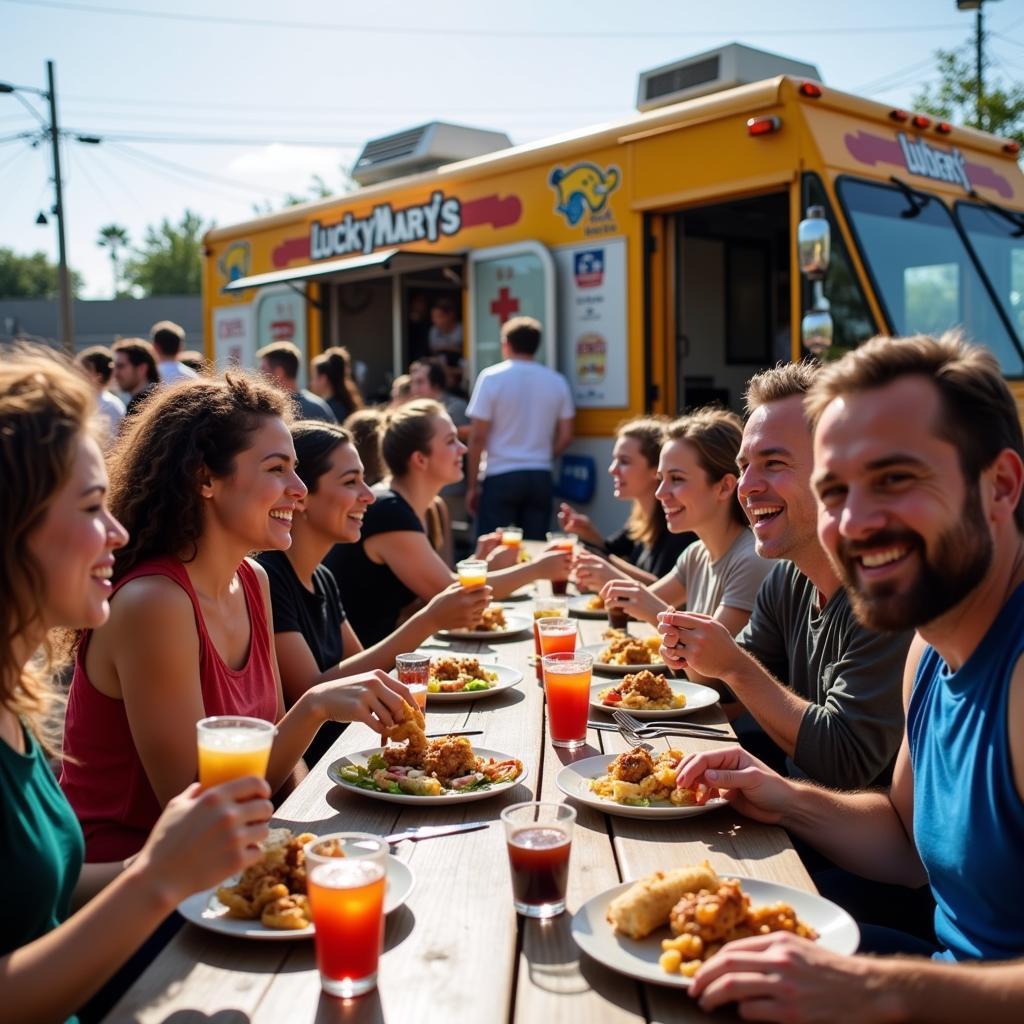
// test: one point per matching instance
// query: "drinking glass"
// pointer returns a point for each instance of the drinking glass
(472, 572)
(544, 608)
(232, 747)
(567, 688)
(561, 542)
(346, 881)
(414, 671)
(539, 839)
(617, 618)
(511, 537)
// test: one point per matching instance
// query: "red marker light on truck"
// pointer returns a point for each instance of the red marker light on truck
(899, 115)
(1013, 148)
(810, 90)
(763, 125)
(920, 121)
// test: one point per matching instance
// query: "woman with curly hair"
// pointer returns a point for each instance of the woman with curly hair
(332, 381)
(644, 549)
(393, 568)
(719, 574)
(204, 475)
(58, 547)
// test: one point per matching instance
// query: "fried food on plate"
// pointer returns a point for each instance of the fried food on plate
(645, 906)
(492, 619)
(637, 779)
(453, 674)
(643, 691)
(624, 649)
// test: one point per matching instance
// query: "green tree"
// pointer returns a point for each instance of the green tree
(954, 97)
(114, 238)
(316, 189)
(169, 261)
(30, 277)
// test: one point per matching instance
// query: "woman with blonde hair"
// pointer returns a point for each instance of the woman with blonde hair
(204, 475)
(59, 542)
(644, 549)
(720, 573)
(393, 567)
(333, 382)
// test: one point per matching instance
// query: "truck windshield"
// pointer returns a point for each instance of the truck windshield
(998, 243)
(924, 275)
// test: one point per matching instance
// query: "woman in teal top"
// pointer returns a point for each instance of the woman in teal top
(58, 542)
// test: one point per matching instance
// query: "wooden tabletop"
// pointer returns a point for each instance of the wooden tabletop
(456, 952)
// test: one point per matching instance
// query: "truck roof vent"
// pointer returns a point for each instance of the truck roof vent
(422, 149)
(713, 71)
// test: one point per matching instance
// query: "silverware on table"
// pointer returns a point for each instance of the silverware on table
(455, 732)
(430, 831)
(638, 725)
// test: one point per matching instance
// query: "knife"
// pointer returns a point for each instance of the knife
(430, 831)
(455, 732)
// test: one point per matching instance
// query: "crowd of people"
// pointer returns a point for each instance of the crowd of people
(845, 564)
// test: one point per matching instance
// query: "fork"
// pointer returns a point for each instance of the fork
(624, 719)
(636, 739)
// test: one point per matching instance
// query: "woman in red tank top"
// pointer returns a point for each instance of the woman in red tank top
(204, 475)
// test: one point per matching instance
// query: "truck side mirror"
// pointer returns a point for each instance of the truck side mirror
(816, 331)
(814, 244)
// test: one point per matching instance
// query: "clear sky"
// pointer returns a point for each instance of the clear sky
(259, 96)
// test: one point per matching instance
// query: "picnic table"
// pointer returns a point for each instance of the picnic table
(456, 951)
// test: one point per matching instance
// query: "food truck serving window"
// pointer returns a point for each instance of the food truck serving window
(923, 272)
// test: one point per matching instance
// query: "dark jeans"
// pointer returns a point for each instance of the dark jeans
(520, 498)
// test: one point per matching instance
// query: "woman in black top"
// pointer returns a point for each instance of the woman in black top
(313, 638)
(644, 549)
(393, 565)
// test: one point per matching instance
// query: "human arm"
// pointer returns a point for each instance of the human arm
(563, 436)
(642, 602)
(592, 572)
(200, 839)
(479, 430)
(577, 522)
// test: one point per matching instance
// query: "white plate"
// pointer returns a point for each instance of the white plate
(360, 758)
(638, 958)
(620, 670)
(574, 781)
(514, 625)
(205, 910)
(579, 607)
(507, 678)
(697, 696)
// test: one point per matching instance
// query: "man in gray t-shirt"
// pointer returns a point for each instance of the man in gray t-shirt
(824, 690)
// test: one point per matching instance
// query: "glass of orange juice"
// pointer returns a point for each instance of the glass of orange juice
(546, 608)
(511, 537)
(232, 747)
(567, 678)
(346, 878)
(472, 572)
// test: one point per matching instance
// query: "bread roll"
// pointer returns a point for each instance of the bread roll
(645, 906)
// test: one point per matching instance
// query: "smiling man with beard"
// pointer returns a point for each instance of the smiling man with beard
(919, 469)
(821, 687)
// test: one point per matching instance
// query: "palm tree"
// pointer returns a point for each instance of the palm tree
(115, 238)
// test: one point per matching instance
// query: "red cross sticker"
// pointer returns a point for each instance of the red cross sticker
(504, 305)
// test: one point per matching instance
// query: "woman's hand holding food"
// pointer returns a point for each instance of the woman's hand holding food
(458, 607)
(700, 642)
(751, 786)
(634, 598)
(203, 836)
(576, 522)
(373, 698)
(592, 572)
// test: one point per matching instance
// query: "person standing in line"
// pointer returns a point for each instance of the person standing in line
(428, 380)
(168, 339)
(97, 363)
(521, 418)
(333, 382)
(279, 363)
(135, 371)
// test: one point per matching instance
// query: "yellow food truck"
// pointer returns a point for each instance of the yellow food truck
(741, 217)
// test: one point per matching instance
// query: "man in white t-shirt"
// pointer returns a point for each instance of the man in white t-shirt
(168, 339)
(97, 363)
(521, 416)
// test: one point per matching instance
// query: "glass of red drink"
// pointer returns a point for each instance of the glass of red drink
(346, 881)
(414, 671)
(546, 608)
(617, 618)
(539, 837)
(561, 542)
(567, 689)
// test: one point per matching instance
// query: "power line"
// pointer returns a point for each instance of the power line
(888, 80)
(449, 31)
(212, 140)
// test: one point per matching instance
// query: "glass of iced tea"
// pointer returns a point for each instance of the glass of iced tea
(546, 608)
(346, 880)
(472, 572)
(561, 542)
(414, 671)
(233, 747)
(567, 689)
(539, 837)
(617, 617)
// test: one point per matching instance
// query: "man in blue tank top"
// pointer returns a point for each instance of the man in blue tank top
(919, 469)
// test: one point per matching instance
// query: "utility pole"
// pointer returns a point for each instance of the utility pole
(979, 64)
(67, 322)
